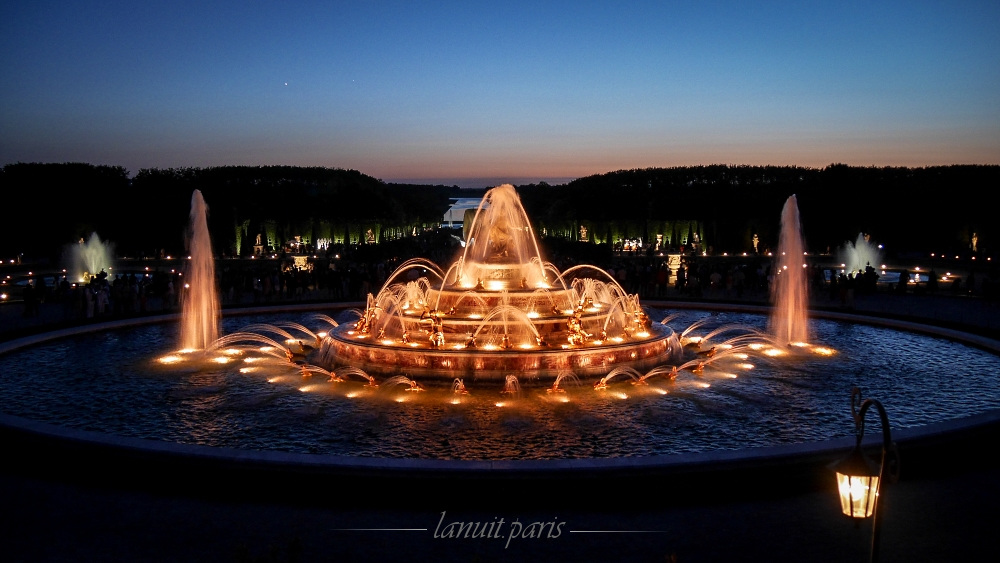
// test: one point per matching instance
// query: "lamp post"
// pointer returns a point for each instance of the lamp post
(858, 477)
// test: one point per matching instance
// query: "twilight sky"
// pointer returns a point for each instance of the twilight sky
(475, 93)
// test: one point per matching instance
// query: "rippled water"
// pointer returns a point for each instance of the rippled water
(109, 382)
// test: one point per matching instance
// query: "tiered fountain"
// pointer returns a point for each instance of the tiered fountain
(499, 309)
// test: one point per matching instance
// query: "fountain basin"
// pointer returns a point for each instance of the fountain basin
(106, 382)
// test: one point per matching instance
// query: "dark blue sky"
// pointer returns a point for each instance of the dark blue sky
(501, 91)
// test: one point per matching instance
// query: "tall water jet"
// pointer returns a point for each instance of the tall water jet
(789, 289)
(200, 312)
(88, 258)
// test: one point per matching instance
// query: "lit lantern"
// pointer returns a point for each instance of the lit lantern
(857, 482)
(858, 478)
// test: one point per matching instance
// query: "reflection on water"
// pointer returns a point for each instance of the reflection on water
(108, 382)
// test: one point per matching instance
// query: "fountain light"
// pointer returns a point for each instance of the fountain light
(703, 385)
(774, 352)
(221, 360)
(858, 477)
(172, 359)
(746, 366)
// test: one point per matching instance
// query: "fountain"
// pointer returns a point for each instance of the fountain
(858, 256)
(789, 290)
(88, 258)
(499, 309)
(498, 357)
(200, 311)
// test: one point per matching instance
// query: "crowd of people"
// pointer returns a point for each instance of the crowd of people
(349, 275)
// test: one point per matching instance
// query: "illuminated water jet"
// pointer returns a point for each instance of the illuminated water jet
(789, 291)
(200, 311)
(860, 254)
(89, 258)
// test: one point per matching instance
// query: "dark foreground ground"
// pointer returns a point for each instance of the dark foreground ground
(60, 501)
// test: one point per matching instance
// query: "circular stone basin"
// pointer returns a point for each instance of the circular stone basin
(110, 381)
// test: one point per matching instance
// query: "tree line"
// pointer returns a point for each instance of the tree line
(909, 210)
